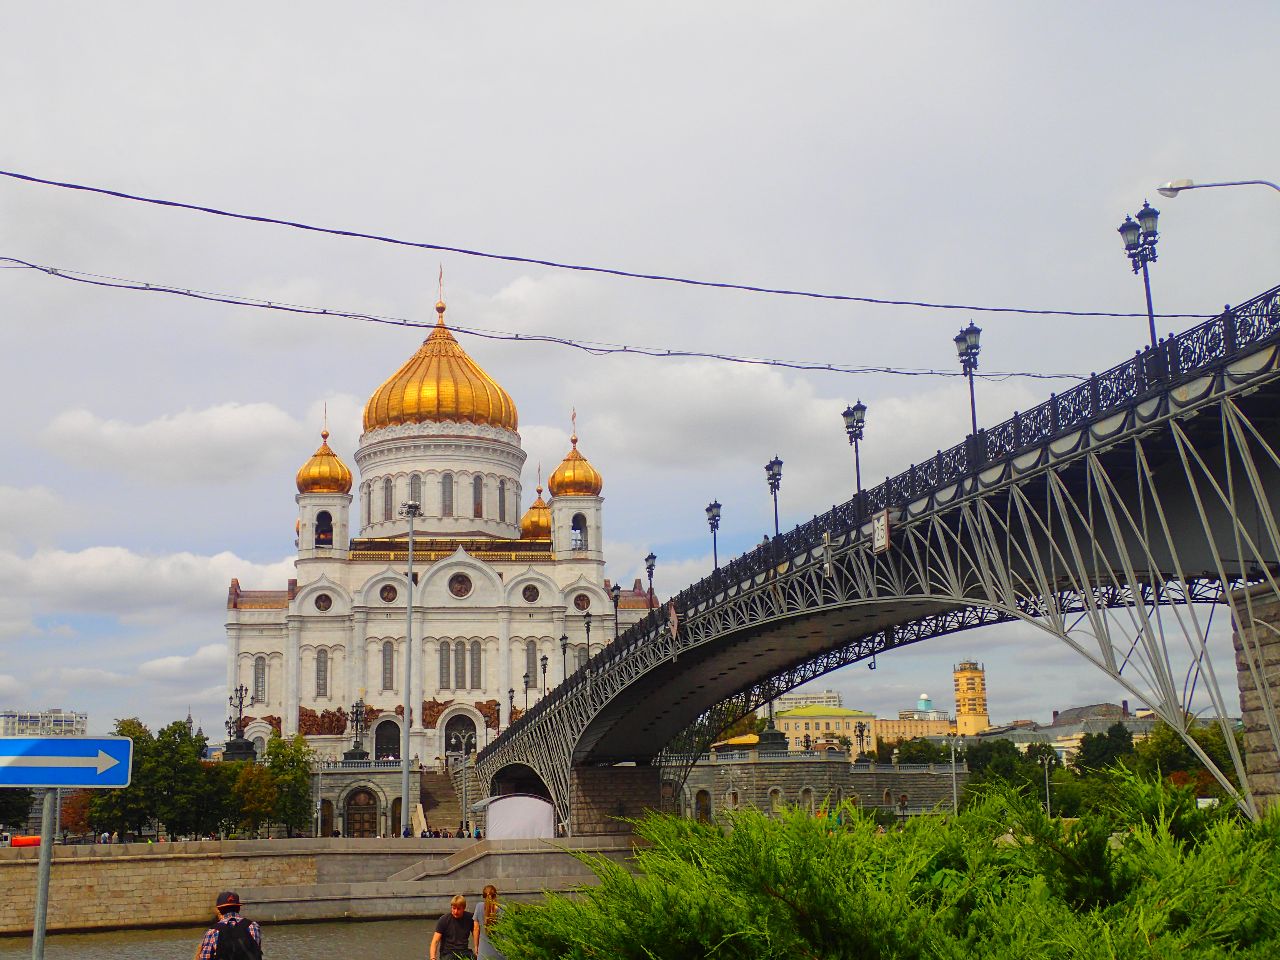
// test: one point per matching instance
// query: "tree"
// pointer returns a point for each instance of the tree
(15, 807)
(1164, 753)
(923, 751)
(884, 750)
(177, 778)
(255, 796)
(75, 811)
(1101, 750)
(290, 765)
(129, 808)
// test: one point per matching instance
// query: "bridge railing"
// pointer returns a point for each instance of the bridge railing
(1176, 360)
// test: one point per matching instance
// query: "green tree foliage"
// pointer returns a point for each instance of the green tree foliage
(176, 776)
(1000, 881)
(255, 796)
(923, 751)
(15, 805)
(1165, 753)
(131, 808)
(1100, 750)
(290, 764)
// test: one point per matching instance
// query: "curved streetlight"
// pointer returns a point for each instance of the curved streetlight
(713, 521)
(1175, 187)
(773, 473)
(967, 348)
(855, 418)
(1140, 239)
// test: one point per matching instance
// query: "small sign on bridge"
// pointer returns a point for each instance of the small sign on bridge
(75, 762)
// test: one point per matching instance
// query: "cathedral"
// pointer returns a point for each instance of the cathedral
(504, 605)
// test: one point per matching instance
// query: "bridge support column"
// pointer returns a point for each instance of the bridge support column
(599, 796)
(1258, 665)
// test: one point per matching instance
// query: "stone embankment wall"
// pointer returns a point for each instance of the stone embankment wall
(118, 886)
(1258, 669)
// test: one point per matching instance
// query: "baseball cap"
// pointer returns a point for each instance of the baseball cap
(228, 900)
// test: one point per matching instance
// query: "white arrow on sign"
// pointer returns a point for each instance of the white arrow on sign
(102, 762)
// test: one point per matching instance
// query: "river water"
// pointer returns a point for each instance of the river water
(340, 940)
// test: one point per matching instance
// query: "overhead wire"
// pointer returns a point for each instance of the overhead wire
(581, 268)
(597, 348)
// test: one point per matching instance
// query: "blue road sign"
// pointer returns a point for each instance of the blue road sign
(65, 761)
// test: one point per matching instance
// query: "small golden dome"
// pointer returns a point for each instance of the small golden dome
(575, 477)
(536, 523)
(440, 383)
(324, 472)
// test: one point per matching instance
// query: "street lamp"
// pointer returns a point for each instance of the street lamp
(586, 623)
(1046, 761)
(511, 702)
(237, 702)
(616, 595)
(713, 521)
(1140, 239)
(773, 472)
(649, 562)
(860, 734)
(409, 510)
(564, 657)
(855, 418)
(526, 691)
(954, 741)
(967, 348)
(1175, 187)
(543, 661)
(459, 741)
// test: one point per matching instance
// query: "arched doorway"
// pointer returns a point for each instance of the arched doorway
(362, 814)
(460, 734)
(386, 741)
(393, 828)
(326, 818)
(702, 805)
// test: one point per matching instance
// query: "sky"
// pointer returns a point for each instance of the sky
(973, 154)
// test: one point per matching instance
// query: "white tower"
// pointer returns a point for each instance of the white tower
(324, 505)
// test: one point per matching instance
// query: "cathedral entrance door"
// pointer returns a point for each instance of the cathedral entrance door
(386, 741)
(326, 818)
(460, 735)
(362, 814)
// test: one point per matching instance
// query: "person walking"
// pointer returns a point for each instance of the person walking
(456, 933)
(485, 918)
(232, 937)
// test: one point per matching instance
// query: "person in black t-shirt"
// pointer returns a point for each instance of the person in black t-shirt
(456, 933)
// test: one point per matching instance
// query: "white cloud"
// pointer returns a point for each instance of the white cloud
(207, 660)
(31, 515)
(10, 685)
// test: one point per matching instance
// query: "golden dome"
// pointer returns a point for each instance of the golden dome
(536, 523)
(324, 472)
(575, 477)
(440, 383)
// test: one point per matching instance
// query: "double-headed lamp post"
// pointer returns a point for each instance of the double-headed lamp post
(465, 742)
(955, 742)
(410, 509)
(773, 473)
(713, 521)
(1140, 239)
(967, 348)
(855, 418)
(1046, 761)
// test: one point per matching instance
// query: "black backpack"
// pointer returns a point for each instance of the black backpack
(235, 942)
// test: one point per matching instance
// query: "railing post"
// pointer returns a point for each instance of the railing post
(1093, 394)
(1017, 430)
(1228, 330)
(1053, 415)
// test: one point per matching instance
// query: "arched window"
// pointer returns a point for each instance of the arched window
(366, 494)
(581, 654)
(322, 672)
(388, 665)
(531, 662)
(415, 489)
(477, 496)
(324, 529)
(775, 801)
(444, 665)
(446, 495)
(806, 799)
(579, 527)
(388, 495)
(259, 680)
(476, 673)
(460, 665)
(502, 501)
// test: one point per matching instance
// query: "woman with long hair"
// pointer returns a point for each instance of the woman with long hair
(486, 916)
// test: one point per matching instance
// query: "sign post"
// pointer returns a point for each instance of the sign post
(82, 763)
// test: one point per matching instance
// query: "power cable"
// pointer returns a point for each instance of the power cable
(596, 348)
(582, 268)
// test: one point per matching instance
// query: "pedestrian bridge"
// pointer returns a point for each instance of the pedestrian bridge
(1104, 517)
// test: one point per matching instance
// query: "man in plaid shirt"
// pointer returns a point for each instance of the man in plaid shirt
(240, 937)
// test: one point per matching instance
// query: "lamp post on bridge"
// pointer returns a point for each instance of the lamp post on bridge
(855, 418)
(616, 595)
(967, 348)
(713, 521)
(586, 625)
(526, 691)
(649, 563)
(1140, 239)
(511, 703)
(543, 662)
(773, 473)
(564, 657)
(460, 742)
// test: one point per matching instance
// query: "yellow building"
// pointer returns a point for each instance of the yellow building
(908, 728)
(971, 697)
(824, 726)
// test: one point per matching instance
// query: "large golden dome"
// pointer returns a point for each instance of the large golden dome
(536, 523)
(324, 472)
(440, 383)
(575, 477)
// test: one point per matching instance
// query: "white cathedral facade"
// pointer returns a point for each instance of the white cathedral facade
(504, 605)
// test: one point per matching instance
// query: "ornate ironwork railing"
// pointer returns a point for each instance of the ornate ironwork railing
(1176, 360)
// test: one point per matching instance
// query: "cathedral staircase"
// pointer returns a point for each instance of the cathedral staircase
(440, 804)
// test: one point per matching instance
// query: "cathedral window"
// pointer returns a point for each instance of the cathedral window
(446, 495)
(444, 665)
(579, 527)
(388, 495)
(476, 672)
(415, 489)
(530, 663)
(366, 494)
(259, 679)
(502, 501)
(388, 664)
(324, 529)
(477, 496)
(460, 665)
(322, 673)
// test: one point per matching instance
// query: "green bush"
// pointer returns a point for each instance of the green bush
(1153, 878)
